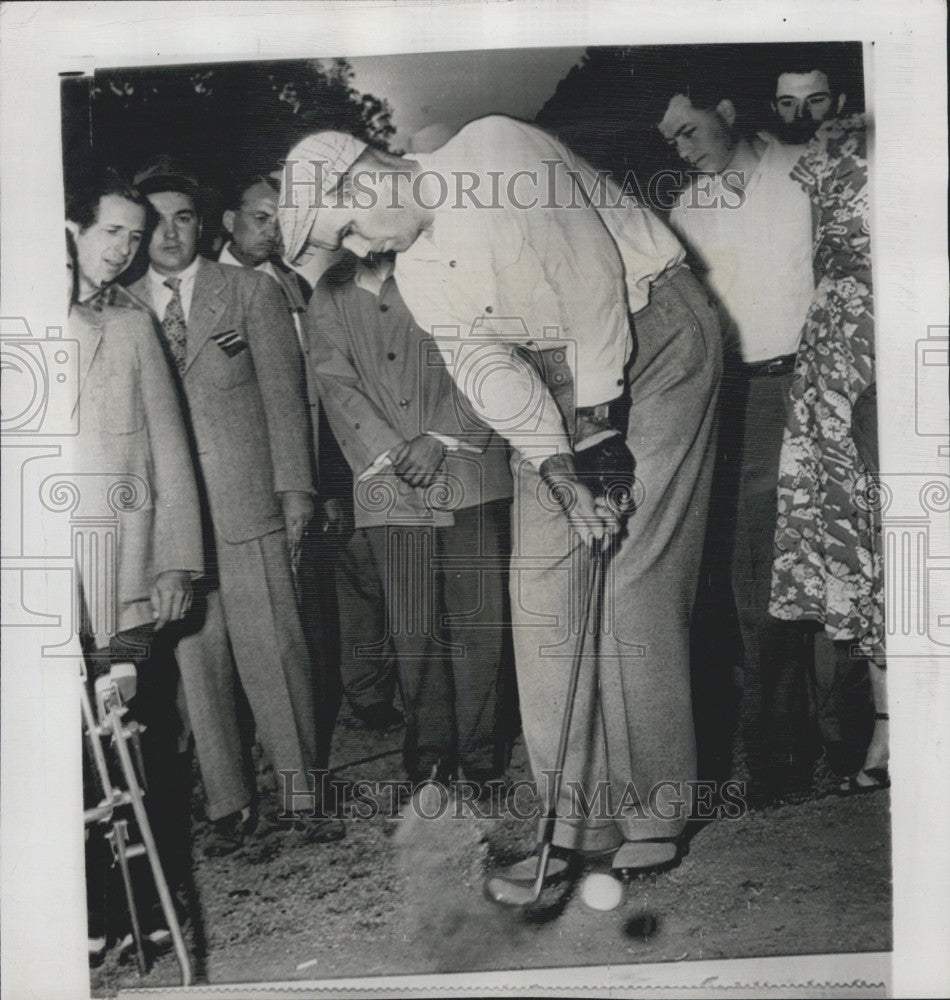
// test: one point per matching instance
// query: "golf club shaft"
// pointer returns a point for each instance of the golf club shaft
(510, 892)
(594, 558)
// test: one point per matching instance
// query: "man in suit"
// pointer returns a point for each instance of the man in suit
(106, 219)
(233, 345)
(337, 620)
(131, 421)
(131, 432)
(432, 496)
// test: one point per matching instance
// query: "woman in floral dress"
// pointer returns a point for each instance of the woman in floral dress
(827, 566)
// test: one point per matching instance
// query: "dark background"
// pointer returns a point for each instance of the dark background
(246, 116)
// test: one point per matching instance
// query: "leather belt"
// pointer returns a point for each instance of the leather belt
(605, 416)
(583, 421)
(784, 365)
(669, 274)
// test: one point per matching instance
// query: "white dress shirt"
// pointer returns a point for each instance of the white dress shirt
(559, 274)
(755, 242)
(162, 294)
(226, 257)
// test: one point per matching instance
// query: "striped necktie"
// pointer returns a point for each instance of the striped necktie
(173, 324)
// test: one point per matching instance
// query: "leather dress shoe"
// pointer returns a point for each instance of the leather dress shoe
(379, 719)
(635, 855)
(320, 830)
(228, 834)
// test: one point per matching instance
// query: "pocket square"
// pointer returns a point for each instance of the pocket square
(230, 341)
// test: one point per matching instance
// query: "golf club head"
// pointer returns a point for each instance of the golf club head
(508, 892)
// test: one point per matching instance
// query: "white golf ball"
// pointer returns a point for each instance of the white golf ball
(601, 892)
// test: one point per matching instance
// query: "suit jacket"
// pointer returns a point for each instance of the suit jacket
(243, 382)
(330, 472)
(130, 424)
(296, 296)
(382, 381)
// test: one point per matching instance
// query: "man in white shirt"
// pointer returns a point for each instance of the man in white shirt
(523, 265)
(251, 222)
(749, 224)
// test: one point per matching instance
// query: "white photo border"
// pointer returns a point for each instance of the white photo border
(42, 901)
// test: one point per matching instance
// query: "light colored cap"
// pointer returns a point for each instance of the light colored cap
(430, 138)
(313, 168)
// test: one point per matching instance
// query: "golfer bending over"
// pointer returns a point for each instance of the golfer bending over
(523, 264)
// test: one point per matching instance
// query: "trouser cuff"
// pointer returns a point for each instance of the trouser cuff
(224, 807)
(580, 837)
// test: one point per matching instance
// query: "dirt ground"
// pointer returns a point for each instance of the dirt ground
(405, 895)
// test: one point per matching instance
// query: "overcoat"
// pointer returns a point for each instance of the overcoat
(131, 431)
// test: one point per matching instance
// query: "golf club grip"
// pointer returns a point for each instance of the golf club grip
(594, 562)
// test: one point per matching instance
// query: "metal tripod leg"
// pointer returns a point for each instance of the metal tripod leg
(119, 837)
(134, 793)
(104, 813)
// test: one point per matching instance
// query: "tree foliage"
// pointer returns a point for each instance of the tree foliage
(221, 118)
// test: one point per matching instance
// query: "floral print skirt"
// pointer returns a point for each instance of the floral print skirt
(827, 564)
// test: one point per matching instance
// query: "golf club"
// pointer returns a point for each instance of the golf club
(512, 892)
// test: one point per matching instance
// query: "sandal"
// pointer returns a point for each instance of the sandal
(878, 779)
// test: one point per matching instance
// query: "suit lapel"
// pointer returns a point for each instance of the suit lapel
(208, 305)
(143, 291)
(291, 288)
(86, 326)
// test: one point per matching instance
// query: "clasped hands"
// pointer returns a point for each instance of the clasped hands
(417, 462)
